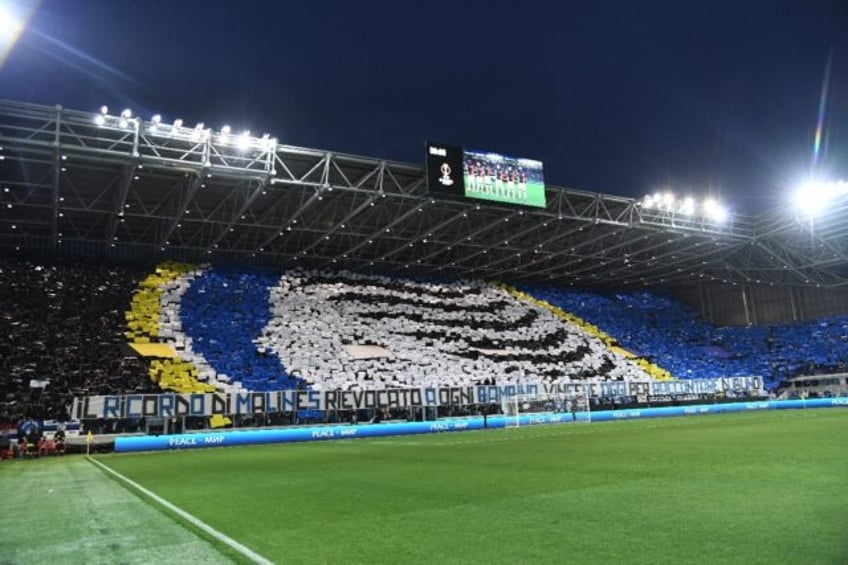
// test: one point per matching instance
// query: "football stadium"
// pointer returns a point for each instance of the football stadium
(218, 347)
(382, 366)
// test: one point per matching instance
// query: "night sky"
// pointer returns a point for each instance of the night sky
(620, 97)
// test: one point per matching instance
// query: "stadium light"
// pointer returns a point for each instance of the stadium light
(100, 120)
(178, 123)
(223, 137)
(127, 113)
(104, 110)
(266, 141)
(154, 123)
(669, 202)
(243, 142)
(815, 196)
(714, 211)
(10, 26)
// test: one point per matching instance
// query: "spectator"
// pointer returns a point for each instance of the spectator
(59, 438)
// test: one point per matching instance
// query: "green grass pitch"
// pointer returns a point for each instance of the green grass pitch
(736, 488)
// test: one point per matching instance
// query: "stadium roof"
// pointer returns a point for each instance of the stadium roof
(77, 182)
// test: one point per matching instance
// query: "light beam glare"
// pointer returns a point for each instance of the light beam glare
(13, 21)
(817, 142)
(83, 56)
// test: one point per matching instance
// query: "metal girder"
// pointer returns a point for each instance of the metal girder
(138, 186)
(672, 263)
(190, 190)
(371, 236)
(254, 194)
(289, 222)
(57, 178)
(120, 201)
(340, 225)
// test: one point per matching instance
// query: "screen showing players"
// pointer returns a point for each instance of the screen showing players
(484, 175)
(490, 176)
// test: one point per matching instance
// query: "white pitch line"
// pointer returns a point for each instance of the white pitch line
(223, 538)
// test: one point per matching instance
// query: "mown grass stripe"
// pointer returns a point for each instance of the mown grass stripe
(199, 524)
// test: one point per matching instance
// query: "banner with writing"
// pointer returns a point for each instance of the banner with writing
(171, 405)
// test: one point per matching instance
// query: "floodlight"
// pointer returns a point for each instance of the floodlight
(811, 198)
(156, 118)
(199, 126)
(268, 142)
(123, 123)
(10, 26)
(668, 200)
(244, 140)
(178, 123)
(815, 196)
(127, 113)
(225, 131)
(99, 120)
(688, 206)
(714, 211)
(104, 110)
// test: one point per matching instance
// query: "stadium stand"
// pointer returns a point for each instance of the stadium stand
(61, 335)
(67, 326)
(671, 335)
(345, 330)
(223, 311)
(154, 318)
(814, 348)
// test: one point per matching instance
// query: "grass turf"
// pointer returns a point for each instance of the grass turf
(736, 488)
(64, 510)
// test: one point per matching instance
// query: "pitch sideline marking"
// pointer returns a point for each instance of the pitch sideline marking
(223, 538)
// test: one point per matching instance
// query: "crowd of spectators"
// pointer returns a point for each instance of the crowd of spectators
(347, 331)
(62, 335)
(671, 334)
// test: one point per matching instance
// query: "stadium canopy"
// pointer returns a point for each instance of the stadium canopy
(120, 187)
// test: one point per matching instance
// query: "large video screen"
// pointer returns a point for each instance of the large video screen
(484, 175)
(490, 176)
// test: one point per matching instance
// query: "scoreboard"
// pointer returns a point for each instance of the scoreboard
(484, 175)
